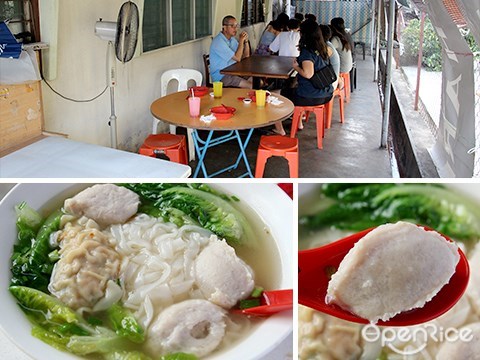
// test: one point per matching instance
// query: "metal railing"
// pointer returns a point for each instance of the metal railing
(476, 166)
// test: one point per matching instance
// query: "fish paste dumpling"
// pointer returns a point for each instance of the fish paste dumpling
(394, 268)
(87, 263)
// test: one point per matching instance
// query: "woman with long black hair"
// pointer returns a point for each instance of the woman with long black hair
(342, 41)
(314, 55)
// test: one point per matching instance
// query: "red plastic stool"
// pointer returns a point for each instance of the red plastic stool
(329, 108)
(277, 145)
(173, 146)
(346, 86)
(318, 110)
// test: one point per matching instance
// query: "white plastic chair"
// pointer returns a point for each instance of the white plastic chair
(183, 76)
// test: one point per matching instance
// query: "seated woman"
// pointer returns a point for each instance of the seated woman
(310, 17)
(268, 36)
(342, 41)
(299, 17)
(314, 54)
(286, 43)
(334, 57)
(282, 20)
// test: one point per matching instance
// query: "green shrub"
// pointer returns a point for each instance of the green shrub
(472, 44)
(432, 50)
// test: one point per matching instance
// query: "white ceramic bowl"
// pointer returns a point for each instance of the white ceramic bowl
(267, 200)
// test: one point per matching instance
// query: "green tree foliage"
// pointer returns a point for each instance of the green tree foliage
(432, 50)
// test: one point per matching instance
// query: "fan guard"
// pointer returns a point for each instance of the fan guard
(127, 32)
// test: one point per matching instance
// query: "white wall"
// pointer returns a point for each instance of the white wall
(81, 74)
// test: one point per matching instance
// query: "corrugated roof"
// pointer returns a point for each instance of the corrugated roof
(455, 12)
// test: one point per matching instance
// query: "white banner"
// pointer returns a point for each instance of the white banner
(472, 15)
(456, 134)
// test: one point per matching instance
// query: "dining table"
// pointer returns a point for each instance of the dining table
(173, 109)
(258, 67)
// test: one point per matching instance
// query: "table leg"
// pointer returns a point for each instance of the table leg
(243, 154)
(256, 82)
(201, 146)
(201, 151)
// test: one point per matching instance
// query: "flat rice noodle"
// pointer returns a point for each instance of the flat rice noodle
(159, 262)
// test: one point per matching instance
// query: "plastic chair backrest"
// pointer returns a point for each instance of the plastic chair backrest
(183, 76)
(206, 64)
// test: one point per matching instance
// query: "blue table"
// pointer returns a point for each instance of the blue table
(201, 146)
(173, 109)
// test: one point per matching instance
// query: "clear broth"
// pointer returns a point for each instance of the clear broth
(264, 260)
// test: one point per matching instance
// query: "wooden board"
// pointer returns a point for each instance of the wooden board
(21, 114)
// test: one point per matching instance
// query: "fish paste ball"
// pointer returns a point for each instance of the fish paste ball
(105, 203)
(191, 326)
(394, 268)
(223, 278)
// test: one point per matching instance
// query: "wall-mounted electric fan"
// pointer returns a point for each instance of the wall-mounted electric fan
(122, 37)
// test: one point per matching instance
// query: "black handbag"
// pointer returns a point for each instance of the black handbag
(324, 77)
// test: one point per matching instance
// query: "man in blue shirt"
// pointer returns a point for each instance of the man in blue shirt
(226, 50)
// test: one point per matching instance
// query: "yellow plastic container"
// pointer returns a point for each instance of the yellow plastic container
(217, 89)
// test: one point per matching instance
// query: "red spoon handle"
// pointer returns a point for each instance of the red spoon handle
(272, 302)
(279, 297)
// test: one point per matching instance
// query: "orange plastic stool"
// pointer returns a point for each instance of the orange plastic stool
(319, 111)
(173, 146)
(329, 108)
(277, 145)
(346, 86)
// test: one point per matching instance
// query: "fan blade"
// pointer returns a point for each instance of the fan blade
(127, 32)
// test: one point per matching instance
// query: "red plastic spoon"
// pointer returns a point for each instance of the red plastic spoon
(315, 267)
(272, 302)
